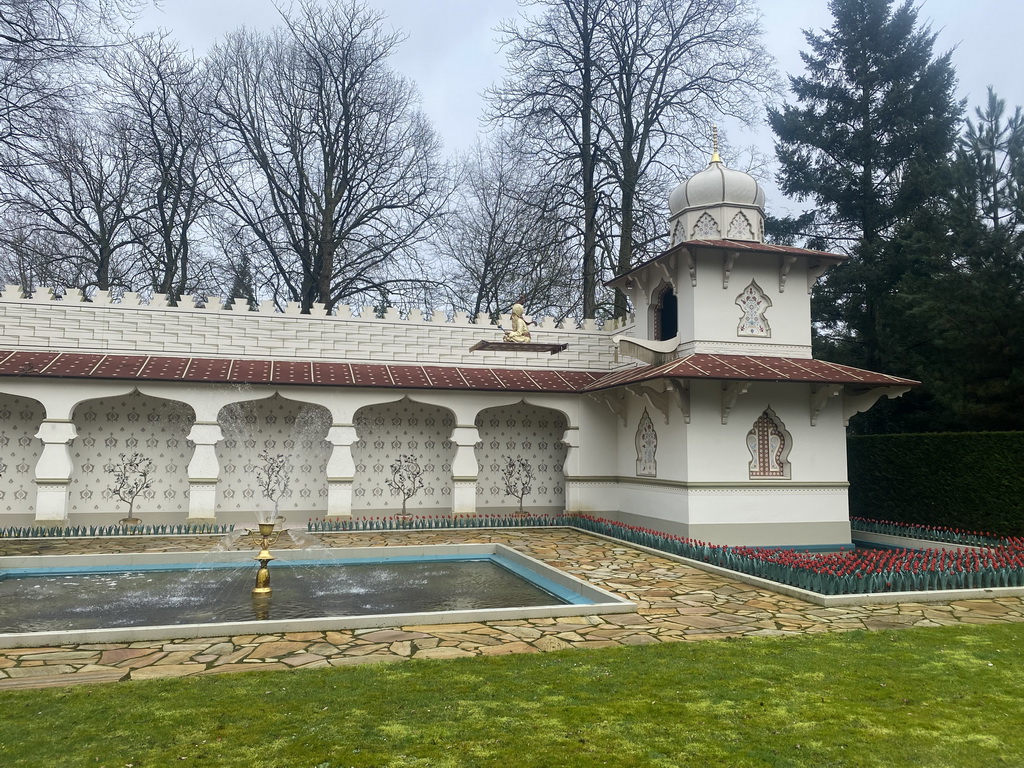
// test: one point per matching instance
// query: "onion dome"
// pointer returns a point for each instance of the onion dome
(716, 185)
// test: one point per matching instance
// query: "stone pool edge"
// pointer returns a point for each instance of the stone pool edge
(602, 601)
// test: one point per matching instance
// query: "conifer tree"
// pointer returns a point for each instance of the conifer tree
(868, 141)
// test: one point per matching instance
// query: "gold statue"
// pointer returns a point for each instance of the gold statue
(520, 332)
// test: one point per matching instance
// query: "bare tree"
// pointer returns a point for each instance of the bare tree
(43, 46)
(273, 477)
(551, 91)
(156, 88)
(81, 191)
(618, 90)
(517, 475)
(672, 67)
(324, 155)
(506, 239)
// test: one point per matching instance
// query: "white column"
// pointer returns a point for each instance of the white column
(571, 470)
(464, 470)
(53, 470)
(341, 470)
(203, 471)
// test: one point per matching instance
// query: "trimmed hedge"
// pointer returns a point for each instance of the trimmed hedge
(965, 480)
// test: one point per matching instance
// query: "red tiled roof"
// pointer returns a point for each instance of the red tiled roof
(749, 368)
(77, 365)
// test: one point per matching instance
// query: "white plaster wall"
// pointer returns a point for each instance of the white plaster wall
(20, 418)
(274, 425)
(718, 453)
(127, 328)
(709, 315)
(525, 431)
(402, 427)
(671, 455)
(127, 424)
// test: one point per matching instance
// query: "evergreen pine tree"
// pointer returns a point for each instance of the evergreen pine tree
(868, 141)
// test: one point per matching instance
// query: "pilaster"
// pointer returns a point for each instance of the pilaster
(53, 470)
(203, 471)
(464, 470)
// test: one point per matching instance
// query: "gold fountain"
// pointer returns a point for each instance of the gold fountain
(264, 538)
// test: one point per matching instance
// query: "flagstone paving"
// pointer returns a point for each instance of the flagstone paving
(675, 602)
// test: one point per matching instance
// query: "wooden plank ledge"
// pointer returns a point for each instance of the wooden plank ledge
(513, 346)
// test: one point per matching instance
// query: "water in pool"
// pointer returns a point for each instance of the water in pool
(196, 596)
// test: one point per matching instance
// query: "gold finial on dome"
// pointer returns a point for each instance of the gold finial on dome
(715, 158)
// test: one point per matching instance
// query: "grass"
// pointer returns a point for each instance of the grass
(930, 697)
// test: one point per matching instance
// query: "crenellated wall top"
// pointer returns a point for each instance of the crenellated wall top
(217, 304)
(214, 328)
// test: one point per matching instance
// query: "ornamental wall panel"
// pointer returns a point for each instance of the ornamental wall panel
(108, 427)
(274, 426)
(20, 418)
(390, 430)
(525, 431)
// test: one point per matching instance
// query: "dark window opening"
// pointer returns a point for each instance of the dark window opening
(667, 325)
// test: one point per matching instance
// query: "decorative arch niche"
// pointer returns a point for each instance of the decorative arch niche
(753, 306)
(646, 442)
(532, 433)
(769, 444)
(20, 418)
(133, 423)
(276, 426)
(403, 427)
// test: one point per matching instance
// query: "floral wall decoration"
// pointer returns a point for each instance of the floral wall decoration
(646, 441)
(753, 305)
(20, 418)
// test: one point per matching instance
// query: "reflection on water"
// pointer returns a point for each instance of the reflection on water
(146, 598)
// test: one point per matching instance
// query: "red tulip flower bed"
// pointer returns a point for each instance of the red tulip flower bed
(846, 571)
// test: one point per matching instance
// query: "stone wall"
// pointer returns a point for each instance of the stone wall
(352, 335)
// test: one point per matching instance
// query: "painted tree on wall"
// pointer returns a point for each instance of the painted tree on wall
(132, 475)
(406, 478)
(518, 477)
(273, 476)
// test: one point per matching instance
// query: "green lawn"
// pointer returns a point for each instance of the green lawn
(922, 697)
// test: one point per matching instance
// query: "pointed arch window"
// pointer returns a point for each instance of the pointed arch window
(666, 317)
(769, 444)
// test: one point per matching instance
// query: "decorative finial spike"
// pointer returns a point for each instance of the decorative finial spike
(715, 158)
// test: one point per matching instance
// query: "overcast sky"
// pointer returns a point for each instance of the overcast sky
(452, 55)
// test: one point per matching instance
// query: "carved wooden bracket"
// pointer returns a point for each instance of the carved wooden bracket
(814, 271)
(854, 404)
(728, 262)
(691, 266)
(731, 392)
(656, 399)
(667, 267)
(616, 404)
(820, 394)
(785, 265)
(678, 390)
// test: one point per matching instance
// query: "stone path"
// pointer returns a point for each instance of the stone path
(675, 603)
